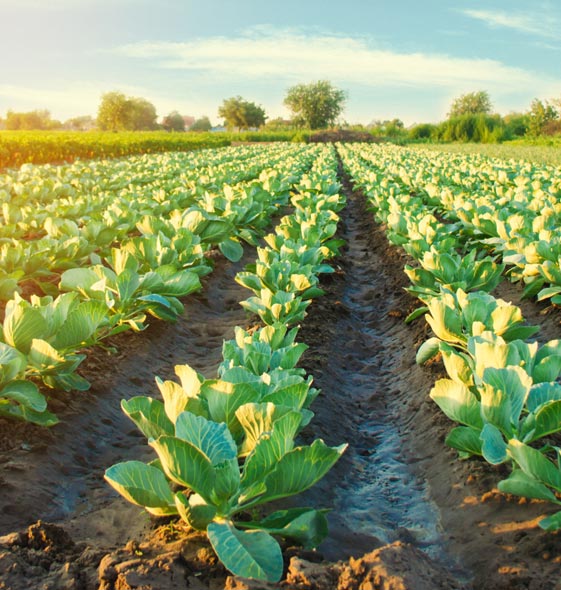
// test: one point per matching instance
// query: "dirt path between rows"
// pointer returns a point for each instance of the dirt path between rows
(405, 512)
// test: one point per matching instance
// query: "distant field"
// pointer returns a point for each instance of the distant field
(544, 154)
(42, 147)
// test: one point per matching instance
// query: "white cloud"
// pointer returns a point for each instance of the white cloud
(541, 21)
(289, 55)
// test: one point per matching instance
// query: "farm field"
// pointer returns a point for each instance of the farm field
(403, 506)
(544, 154)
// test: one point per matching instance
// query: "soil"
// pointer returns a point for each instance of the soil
(407, 514)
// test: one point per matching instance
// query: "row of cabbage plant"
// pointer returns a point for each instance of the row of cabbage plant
(65, 217)
(147, 274)
(227, 446)
(502, 388)
(511, 210)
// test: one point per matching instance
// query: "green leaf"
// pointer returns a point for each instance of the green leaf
(417, 313)
(299, 469)
(465, 439)
(25, 393)
(551, 523)
(428, 350)
(80, 325)
(547, 420)
(81, 280)
(267, 452)
(186, 465)
(503, 395)
(194, 510)
(224, 399)
(521, 484)
(22, 325)
(143, 485)
(149, 416)
(542, 393)
(534, 464)
(457, 402)
(43, 356)
(493, 445)
(231, 249)
(249, 554)
(18, 412)
(211, 438)
(306, 526)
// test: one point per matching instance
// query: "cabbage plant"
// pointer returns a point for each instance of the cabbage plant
(198, 474)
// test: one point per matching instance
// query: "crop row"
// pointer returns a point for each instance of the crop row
(22, 147)
(502, 387)
(511, 210)
(64, 217)
(226, 446)
(120, 282)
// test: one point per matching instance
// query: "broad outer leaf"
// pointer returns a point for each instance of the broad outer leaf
(493, 445)
(249, 554)
(551, 523)
(186, 465)
(521, 484)
(534, 464)
(194, 510)
(142, 484)
(429, 349)
(457, 402)
(306, 526)
(149, 416)
(299, 470)
(26, 394)
(211, 438)
(466, 440)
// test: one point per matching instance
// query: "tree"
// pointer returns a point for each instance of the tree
(241, 114)
(472, 103)
(142, 115)
(174, 122)
(539, 115)
(118, 113)
(316, 105)
(81, 123)
(113, 112)
(201, 124)
(38, 119)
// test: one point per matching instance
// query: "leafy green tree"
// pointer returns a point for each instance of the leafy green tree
(390, 128)
(201, 124)
(316, 105)
(119, 113)
(80, 123)
(114, 112)
(539, 115)
(516, 124)
(142, 115)
(38, 119)
(421, 131)
(174, 122)
(241, 114)
(472, 103)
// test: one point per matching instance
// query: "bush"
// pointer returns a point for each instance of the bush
(472, 128)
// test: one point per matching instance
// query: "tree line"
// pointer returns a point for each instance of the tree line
(317, 105)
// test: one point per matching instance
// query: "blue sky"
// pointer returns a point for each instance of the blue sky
(396, 58)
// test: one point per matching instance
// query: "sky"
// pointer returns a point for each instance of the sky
(394, 58)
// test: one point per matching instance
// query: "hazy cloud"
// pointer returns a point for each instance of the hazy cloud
(541, 21)
(291, 55)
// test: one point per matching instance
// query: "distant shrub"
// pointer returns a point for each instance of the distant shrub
(421, 131)
(342, 135)
(472, 128)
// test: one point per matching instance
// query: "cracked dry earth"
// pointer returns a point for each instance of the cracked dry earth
(406, 514)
